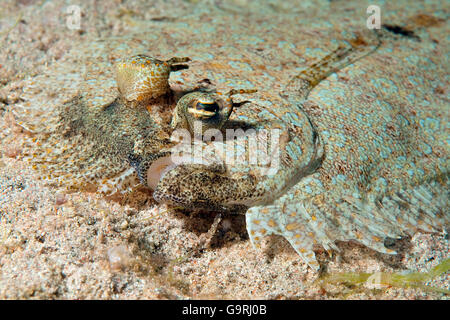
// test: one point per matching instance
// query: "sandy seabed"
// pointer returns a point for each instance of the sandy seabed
(83, 246)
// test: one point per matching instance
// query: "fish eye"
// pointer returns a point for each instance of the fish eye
(207, 106)
(203, 110)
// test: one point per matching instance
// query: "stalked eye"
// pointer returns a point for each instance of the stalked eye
(204, 110)
(141, 78)
(157, 170)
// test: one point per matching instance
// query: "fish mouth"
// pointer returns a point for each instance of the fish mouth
(152, 168)
(201, 114)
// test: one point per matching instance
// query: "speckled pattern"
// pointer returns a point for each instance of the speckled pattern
(360, 171)
(141, 77)
(400, 158)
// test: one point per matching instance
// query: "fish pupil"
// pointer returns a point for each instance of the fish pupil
(210, 107)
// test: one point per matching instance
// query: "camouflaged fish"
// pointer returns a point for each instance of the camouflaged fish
(364, 170)
(112, 148)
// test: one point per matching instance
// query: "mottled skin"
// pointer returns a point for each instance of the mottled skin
(343, 173)
(142, 78)
(210, 109)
